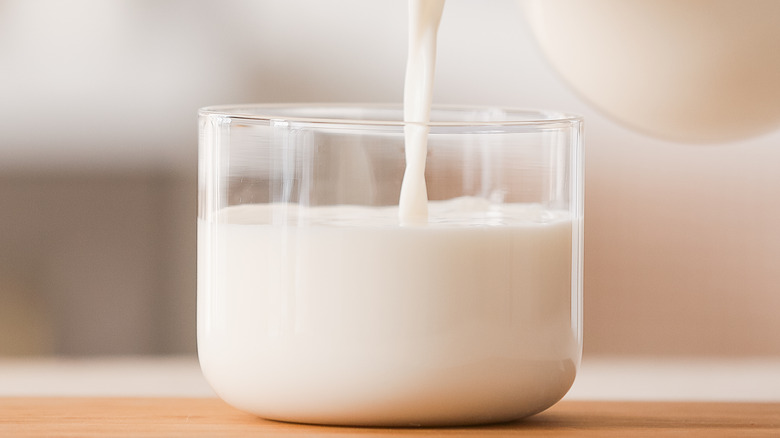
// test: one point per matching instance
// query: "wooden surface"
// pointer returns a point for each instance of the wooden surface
(201, 417)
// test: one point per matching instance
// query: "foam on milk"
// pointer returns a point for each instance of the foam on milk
(340, 315)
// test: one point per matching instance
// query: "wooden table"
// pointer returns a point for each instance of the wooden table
(210, 417)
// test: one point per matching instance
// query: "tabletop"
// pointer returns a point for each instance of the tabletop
(200, 417)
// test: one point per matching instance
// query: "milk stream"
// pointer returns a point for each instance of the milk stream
(424, 18)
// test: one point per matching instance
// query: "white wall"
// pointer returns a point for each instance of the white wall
(682, 246)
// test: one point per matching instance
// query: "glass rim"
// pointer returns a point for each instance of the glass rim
(281, 112)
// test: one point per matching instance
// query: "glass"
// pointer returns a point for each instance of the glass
(316, 305)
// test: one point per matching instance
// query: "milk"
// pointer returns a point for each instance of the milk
(424, 18)
(423, 313)
(339, 315)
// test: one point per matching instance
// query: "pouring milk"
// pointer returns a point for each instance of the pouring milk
(424, 18)
(383, 315)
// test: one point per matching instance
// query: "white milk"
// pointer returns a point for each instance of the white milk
(424, 18)
(364, 321)
(384, 316)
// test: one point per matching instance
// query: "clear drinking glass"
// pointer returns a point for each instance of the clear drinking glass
(316, 305)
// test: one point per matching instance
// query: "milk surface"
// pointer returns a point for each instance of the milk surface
(341, 315)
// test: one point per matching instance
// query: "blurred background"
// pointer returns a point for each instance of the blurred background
(98, 152)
